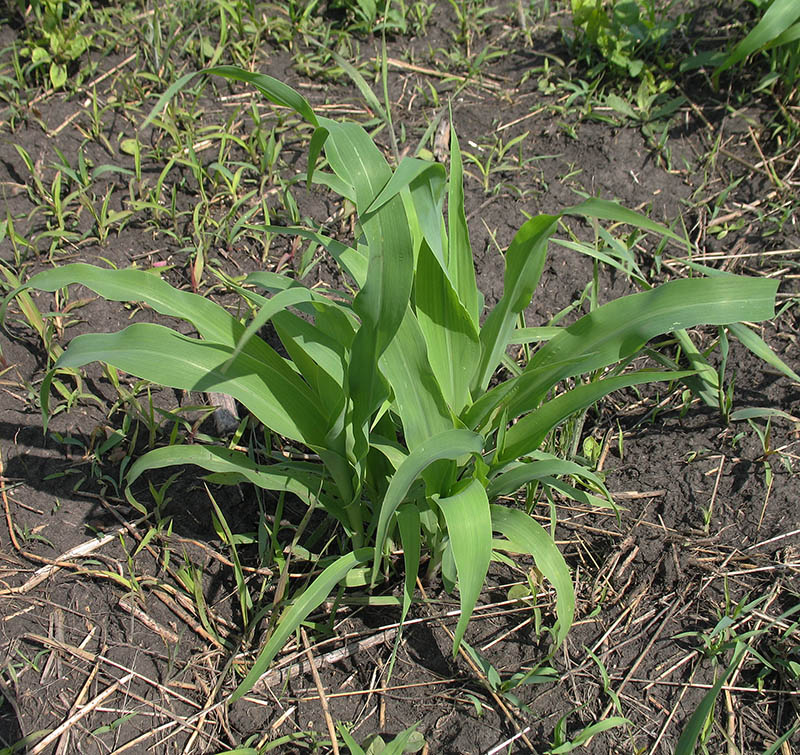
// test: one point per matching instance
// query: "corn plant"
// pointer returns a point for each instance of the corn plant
(398, 393)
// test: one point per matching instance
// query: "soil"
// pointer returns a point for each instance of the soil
(707, 532)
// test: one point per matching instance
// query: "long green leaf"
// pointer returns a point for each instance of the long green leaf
(302, 479)
(274, 90)
(173, 89)
(688, 738)
(755, 343)
(777, 19)
(547, 465)
(314, 595)
(460, 261)
(527, 434)
(604, 209)
(524, 264)
(210, 319)
(530, 537)
(288, 298)
(408, 524)
(452, 339)
(469, 526)
(353, 746)
(583, 737)
(618, 330)
(417, 394)
(382, 301)
(273, 392)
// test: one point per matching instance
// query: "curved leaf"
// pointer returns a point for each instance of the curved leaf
(304, 480)
(527, 535)
(211, 320)
(755, 343)
(417, 394)
(524, 264)
(446, 445)
(526, 435)
(274, 90)
(274, 392)
(511, 480)
(618, 330)
(776, 20)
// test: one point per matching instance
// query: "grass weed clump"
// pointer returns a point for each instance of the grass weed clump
(409, 420)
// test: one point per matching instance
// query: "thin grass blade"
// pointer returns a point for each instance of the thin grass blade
(688, 739)
(524, 264)
(756, 344)
(776, 20)
(314, 595)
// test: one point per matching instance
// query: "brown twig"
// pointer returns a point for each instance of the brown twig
(44, 743)
(323, 700)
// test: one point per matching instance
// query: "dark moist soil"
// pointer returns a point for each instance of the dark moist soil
(708, 519)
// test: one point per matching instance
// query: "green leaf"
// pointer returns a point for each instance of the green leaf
(274, 90)
(691, 732)
(288, 298)
(351, 743)
(588, 732)
(527, 434)
(382, 301)
(460, 261)
(272, 391)
(408, 524)
(304, 480)
(211, 321)
(619, 329)
(58, 75)
(417, 394)
(528, 536)
(761, 412)
(314, 595)
(450, 334)
(469, 526)
(171, 91)
(450, 444)
(604, 209)
(546, 465)
(777, 19)
(747, 337)
(524, 264)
